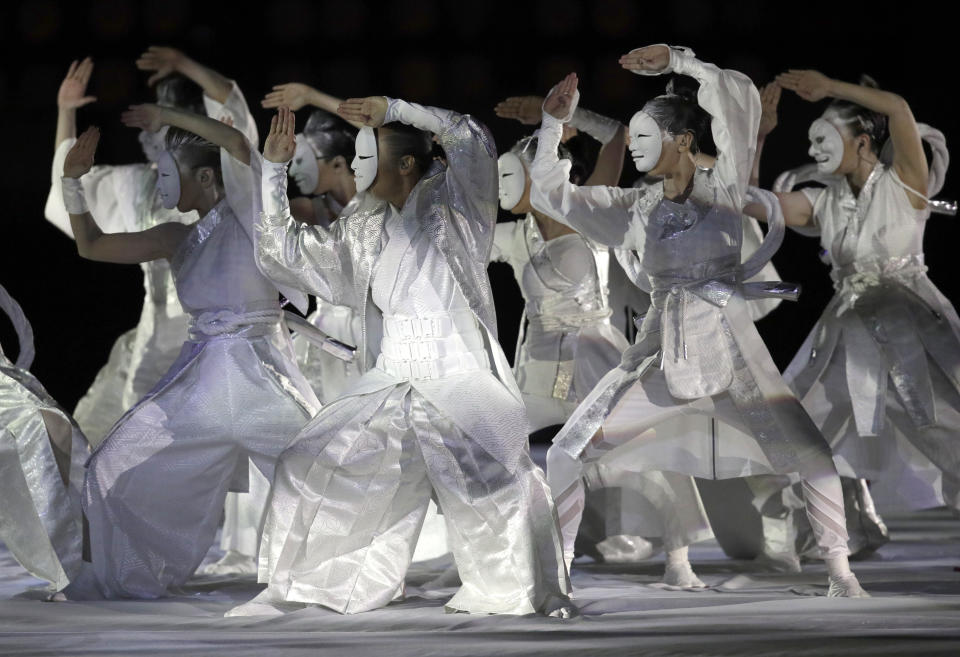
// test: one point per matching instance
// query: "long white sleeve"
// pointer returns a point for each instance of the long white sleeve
(235, 107)
(299, 255)
(604, 214)
(733, 103)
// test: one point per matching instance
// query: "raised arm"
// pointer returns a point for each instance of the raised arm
(609, 132)
(72, 96)
(295, 95)
(291, 253)
(728, 96)
(471, 159)
(769, 100)
(163, 61)
(92, 243)
(109, 190)
(602, 213)
(909, 160)
(153, 117)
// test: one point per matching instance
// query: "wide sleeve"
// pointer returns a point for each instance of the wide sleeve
(110, 192)
(733, 103)
(471, 175)
(236, 109)
(603, 214)
(298, 255)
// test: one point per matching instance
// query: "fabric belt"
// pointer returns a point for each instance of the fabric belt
(249, 322)
(856, 278)
(432, 347)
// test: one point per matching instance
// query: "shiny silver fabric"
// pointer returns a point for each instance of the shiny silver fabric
(41, 450)
(457, 210)
(898, 339)
(440, 411)
(568, 343)
(698, 351)
(155, 487)
(350, 497)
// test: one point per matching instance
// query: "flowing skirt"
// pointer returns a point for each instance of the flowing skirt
(155, 487)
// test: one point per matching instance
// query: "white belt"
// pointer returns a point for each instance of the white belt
(225, 323)
(432, 347)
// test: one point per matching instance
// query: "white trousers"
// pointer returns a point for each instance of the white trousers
(350, 496)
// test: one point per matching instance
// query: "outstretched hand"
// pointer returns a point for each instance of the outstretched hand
(292, 94)
(369, 111)
(80, 156)
(769, 100)
(163, 61)
(809, 85)
(560, 98)
(146, 117)
(525, 109)
(648, 58)
(74, 86)
(281, 142)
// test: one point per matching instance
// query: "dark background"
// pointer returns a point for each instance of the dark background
(462, 54)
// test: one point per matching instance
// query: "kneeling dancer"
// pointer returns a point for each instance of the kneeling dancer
(439, 414)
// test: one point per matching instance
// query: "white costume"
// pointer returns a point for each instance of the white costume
(41, 451)
(124, 199)
(567, 347)
(438, 412)
(233, 399)
(880, 372)
(698, 351)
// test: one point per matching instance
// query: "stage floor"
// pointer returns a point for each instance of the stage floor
(915, 581)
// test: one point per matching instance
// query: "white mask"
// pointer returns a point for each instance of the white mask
(364, 163)
(513, 180)
(168, 180)
(826, 145)
(646, 141)
(152, 143)
(304, 168)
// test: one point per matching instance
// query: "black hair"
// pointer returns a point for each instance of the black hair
(181, 92)
(193, 151)
(678, 111)
(402, 139)
(330, 135)
(861, 120)
(526, 150)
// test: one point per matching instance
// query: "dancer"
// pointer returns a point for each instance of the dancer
(125, 199)
(321, 170)
(880, 371)
(438, 414)
(228, 406)
(699, 331)
(41, 452)
(566, 345)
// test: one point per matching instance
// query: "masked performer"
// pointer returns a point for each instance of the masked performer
(567, 345)
(439, 412)
(698, 351)
(880, 371)
(125, 199)
(41, 453)
(228, 406)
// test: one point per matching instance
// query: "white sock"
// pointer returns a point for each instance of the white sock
(678, 557)
(838, 566)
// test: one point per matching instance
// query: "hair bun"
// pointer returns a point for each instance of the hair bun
(867, 81)
(682, 88)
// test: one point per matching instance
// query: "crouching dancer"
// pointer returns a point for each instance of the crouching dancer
(439, 413)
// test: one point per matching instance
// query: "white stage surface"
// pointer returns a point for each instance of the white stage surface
(915, 581)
